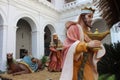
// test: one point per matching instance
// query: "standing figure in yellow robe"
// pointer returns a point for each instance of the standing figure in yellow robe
(80, 60)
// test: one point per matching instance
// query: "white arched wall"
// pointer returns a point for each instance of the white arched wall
(4, 16)
(51, 26)
(3, 38)
(29, 18)
(41, 39)
(23, 38)
(35, 32)
(48, 38)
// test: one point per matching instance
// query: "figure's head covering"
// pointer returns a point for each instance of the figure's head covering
(87, 10)
(83, 11)
(55, 36)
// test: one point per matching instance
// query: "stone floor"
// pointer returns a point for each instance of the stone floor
(41, 75)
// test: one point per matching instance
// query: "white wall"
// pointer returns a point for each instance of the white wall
(37, 17)
(115, 32)
(38, 14)
(3, 36)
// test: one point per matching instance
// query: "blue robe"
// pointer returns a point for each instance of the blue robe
(33, 66)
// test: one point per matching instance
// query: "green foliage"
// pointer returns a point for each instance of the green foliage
(110, 62)
(107, 77)
(44, 59)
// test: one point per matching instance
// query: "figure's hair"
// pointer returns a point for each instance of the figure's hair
(26, 51)
(81, 16)
(32, 58)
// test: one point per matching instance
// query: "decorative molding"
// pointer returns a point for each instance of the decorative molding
(76, 4)
(4, 25)
(35, 31)
(35, 8)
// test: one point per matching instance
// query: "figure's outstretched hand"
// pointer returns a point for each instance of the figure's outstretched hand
(94, 44)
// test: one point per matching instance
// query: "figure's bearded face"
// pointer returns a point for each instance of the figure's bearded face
(87, 19)
(55, 41)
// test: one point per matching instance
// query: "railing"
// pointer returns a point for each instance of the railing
(45, 2)
(70, 4)
(76, 3)
(66, 5)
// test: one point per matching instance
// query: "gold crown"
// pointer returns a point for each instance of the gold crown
(86, 8)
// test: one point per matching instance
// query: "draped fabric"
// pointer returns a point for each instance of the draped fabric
(75, 37)
(72, 40)
(55, 60)
(72, 36)
(27, 60)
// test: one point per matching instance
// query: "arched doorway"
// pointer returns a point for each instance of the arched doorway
(49, 30)
(23, 38)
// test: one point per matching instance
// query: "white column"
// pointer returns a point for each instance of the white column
(11, 40)
(41, 40)
(36, 44)
(14, 32)
(3, 40)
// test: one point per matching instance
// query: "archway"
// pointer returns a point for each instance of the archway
(49, 30)
(23, 38)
